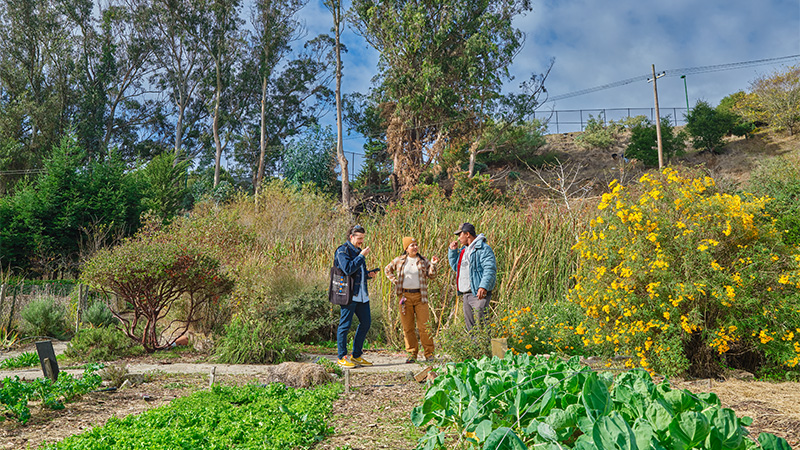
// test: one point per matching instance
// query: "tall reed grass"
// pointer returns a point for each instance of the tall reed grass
(300, 229)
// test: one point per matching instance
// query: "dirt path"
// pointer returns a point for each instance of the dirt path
(383, 361)
(373, 415)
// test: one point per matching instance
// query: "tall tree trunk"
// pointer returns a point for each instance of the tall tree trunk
(343, 165)
(263, 143)
(336, 9)
(179, 133)
(473, 153)
(217, 142)
(179, 126)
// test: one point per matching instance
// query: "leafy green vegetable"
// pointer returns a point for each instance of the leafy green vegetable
(524, 402)
(249, 417)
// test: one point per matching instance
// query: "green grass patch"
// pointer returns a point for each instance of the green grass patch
(248, 417)
(26, 359)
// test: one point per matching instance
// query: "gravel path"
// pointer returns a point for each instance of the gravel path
(383, 362)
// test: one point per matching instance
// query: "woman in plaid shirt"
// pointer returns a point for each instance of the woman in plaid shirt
(409, 273)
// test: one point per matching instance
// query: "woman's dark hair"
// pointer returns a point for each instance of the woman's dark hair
(355, 229)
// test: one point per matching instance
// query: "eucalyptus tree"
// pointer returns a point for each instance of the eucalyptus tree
(216, 27)
(35, 90)
(276, 26)
(441, 63)
(181, 65)
(113, 60)
(335, 7)
(297, 96)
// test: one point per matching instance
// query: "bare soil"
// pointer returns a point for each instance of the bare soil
(374, 414)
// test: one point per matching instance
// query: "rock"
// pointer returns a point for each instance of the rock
(201, 342)
(423, 375)
(133, 378)
(737, 374)
(295, 374)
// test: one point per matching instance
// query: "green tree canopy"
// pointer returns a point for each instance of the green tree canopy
(442, 64)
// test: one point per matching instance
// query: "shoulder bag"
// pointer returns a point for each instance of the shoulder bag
(340, 289)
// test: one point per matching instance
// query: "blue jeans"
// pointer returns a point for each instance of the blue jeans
(360, 310)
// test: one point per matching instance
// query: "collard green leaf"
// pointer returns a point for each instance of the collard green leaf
(483, 430)
(418, 418)
(547, 432)
(569, 399)
(611, 432)
(679, 401)
(659, 417)
(769, 441)
(596, 398)
(504, 438)
(727, 429)
(644, 433)
(559, 418)
(694, 425)
(709, 398)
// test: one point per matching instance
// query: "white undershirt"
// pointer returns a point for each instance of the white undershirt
(411, 273)
(463, 282)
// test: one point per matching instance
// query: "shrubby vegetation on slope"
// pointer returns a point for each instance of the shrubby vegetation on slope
(688, 278)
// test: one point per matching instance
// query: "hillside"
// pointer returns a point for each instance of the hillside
(588, 171)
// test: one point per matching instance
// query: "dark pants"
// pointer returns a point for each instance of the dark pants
(475, 308)
(360, 310)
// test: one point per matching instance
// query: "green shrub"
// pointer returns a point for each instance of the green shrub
(545, 328)
(459, 344)
(598, 134)
(779, 179)
(708, 126)
(101, 344)
(154, 271)
(305, 314)
(44, 317)
(685, 278)
(469, 192)
(99, 315)
(251, 340)
(644, 142)
(510, 143)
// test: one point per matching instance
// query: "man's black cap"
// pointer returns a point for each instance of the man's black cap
(466, 228)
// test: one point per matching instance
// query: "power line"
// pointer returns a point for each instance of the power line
(22, 171)
(677, 72)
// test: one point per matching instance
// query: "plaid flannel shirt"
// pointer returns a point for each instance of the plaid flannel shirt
(394, 272)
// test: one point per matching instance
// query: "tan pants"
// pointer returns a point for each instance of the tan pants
(415, 309)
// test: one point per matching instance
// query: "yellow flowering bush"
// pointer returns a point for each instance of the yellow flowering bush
(684, 278)
(545, 328)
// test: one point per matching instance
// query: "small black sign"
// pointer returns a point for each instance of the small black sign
(47, 356)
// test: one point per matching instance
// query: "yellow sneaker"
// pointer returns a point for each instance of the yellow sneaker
(346, 363)
(361, 361)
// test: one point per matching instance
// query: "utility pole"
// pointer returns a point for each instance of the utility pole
(658, 118)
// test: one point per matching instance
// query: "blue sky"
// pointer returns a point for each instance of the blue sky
(595, 43)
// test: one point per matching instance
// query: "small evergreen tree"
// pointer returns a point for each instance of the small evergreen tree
(707, 126)
(644, 145)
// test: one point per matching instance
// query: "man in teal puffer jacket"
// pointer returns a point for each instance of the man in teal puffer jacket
(476, 272)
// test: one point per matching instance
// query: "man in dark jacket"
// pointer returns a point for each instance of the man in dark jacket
(350, 257)
(476, 272)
